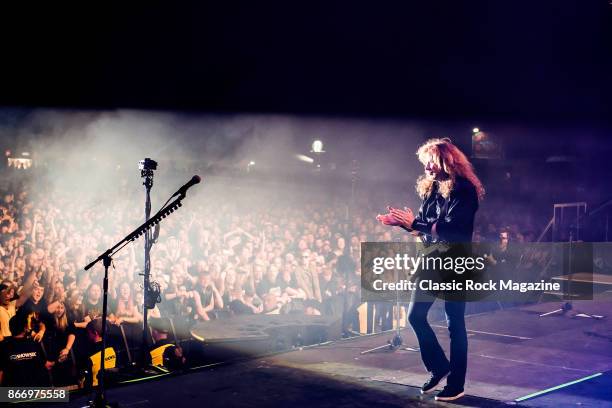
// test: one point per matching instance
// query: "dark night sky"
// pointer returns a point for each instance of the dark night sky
(508, 60)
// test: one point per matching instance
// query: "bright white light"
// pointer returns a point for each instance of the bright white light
(317, 146)
(19, 163)
(475, 130)
(304, 158)
(251, 163)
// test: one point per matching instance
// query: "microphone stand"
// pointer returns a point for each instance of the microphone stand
(569, 304)
(146, 167)
(106, 257)
(396, 342)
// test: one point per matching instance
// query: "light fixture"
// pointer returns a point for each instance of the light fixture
(317, 146)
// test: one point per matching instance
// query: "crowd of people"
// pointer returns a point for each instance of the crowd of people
(255, 254)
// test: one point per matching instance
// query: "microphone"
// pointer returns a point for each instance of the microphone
(183, 190)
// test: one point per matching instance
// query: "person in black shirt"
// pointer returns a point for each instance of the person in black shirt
(59, 340)
(331, 292)
(74, 310)
(206, 297)
(503, 256)
(267, 282)
(327, 283)
(287, 283)
(22, 362)
(241, 303)
(92, 305)
(35, 312)
(451, 192)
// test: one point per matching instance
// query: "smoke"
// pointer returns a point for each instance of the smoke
(96, 153)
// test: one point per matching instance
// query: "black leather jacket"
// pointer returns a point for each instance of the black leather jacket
(454, 217)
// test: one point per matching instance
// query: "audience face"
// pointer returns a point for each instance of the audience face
(272, 273)
(27, 225)
(341, 244)
(38, 293)
(125, 291)
(286, 275)
(6, 295)
(60, 310)
(75, 301)
(204, 280)
(302, 245)
(58, 290)
(305, 258)
(94, 293)
(327, 273)
(289, 259)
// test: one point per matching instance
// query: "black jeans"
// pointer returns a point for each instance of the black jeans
(432, 354)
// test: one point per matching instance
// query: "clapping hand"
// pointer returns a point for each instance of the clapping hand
(397, 217)
(387, 219)
(405, 216)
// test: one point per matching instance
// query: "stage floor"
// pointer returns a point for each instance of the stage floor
(513, 355)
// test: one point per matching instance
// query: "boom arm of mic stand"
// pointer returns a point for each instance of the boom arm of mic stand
(155, 219)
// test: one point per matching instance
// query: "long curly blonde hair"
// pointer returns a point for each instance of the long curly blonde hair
(452, 161)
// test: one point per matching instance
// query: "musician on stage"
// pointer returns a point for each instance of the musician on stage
(450, 191)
